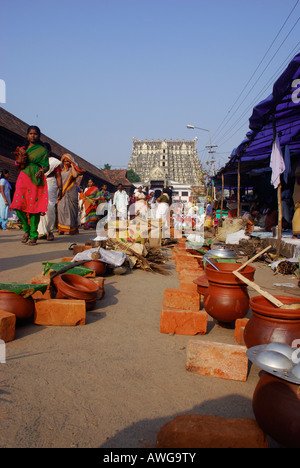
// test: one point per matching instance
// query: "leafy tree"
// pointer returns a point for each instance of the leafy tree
(133, 176)
(107, 166)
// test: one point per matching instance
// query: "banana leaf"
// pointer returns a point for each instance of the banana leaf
(24, 290)
(79, 270)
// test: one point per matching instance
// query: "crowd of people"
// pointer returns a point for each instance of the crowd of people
(48, 195)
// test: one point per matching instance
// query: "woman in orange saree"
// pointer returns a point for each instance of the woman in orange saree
(67, 207)
(92, 196)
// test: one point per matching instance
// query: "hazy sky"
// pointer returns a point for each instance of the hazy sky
(93, 74)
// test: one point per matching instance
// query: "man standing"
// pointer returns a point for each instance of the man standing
(121, 202)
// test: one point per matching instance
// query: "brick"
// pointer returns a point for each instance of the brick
(190, 273)
(188, 285)
(185, 260)
(220, 360)
(60, 312)
(239, 330)
(186, 266)
(41, 279)
(208, 431)
(177, 299)
(7, 326)
(183, 322)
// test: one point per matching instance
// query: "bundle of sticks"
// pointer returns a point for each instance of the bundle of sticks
(153, 260)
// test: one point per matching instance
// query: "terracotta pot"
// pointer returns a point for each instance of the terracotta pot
(98, 267)
(276, 406)
(227, 297)
(202, 284)
(269, 323)
(73, 286)
(16, 304)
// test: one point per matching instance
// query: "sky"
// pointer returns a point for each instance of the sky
(93, 74)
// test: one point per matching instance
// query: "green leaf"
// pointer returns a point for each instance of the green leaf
(20, 288)
(77, 270)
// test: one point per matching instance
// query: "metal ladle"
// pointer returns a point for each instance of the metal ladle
(211, 263)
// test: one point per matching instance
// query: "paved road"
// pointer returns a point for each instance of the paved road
(112, 382)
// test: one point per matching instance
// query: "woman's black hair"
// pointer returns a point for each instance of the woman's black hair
(5, 171)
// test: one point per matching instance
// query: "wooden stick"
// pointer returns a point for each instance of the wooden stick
(258, 289)
(279, 230)
(253, 258)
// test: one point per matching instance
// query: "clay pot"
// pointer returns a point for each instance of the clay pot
(269, 323)
(16, 304)
(98, 267)
(227, 297)
(202, 285)
(70, 286)
(276, 406)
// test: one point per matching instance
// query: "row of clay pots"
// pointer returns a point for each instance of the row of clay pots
(275, 402)
(67, 285)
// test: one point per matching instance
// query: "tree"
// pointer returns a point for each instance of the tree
(133, 176)
(107, 166)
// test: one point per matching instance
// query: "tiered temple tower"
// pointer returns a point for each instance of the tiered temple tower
(161, 161)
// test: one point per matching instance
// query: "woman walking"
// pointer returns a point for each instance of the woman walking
(67, 208)
(53, 177)
(92, 196)
(5, 200)
(31, 195)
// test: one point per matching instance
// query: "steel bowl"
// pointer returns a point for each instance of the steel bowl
(281, 348)
(274, 360)
(222, 253)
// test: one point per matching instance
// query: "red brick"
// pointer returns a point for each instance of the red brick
(190, 273)
(7, 326)
(41, 279)
(188, 285)
(207, 431)
(177, 299)
(59, 312)
(220, 360)
(239, 330)
(183, 322)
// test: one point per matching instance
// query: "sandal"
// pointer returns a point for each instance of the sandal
(32, 242)
(25, 238)
(50, 237)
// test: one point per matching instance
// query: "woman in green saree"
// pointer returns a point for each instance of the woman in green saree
(30, 199)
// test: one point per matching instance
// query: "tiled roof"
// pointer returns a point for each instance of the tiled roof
(117, 176)
(9, 164)
(14, 125)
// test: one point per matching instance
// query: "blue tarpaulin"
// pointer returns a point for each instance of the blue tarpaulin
(280, 112)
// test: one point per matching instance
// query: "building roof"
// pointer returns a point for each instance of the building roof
(18, 128)
(117, 176)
